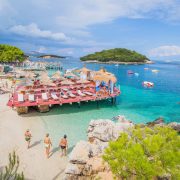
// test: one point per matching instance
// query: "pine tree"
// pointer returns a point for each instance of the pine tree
(145, 153)
(10, 171)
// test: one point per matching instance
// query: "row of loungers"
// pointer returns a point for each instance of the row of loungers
(31, 97)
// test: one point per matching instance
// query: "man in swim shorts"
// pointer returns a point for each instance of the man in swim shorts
(47, 144)
(28, 137)
(63, 145)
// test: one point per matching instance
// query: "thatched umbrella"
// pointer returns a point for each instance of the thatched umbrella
(84, 70)
(69, 74)
(30, 75)
(103, 75)
(57, 75)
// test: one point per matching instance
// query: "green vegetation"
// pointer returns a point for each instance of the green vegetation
(116, 55)
(10, 171)
(11, 54)
(145, 154)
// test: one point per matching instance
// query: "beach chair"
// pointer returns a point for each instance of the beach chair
(87, 93)
(80, 93)
(64, 96)
(71, 94)
(20, 98)
(54, 96)
(44, 96)
(31, 97)
(65, 89)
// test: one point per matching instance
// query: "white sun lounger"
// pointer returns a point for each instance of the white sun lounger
(80, 93)
(44, 96)
(65, 89)
(20, 98)
(88, 93)
(64, 96)
(71, 94)
(31, 97)
(54, 96)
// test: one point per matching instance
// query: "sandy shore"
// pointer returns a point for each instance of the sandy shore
(32, 161)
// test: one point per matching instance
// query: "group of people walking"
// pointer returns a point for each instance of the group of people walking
(63, 144)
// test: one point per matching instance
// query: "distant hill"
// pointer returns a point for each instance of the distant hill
(117, 55)
(11, 54)
(48, 56)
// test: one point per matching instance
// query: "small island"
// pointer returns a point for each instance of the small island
(117, 56)
(9, 54)
(49, 56)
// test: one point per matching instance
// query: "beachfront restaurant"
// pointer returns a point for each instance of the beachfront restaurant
(72, 87)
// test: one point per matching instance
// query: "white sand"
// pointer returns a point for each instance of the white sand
(32, 161)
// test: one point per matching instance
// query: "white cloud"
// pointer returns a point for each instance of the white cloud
(34, 31)
(164, 51)
(81, 14)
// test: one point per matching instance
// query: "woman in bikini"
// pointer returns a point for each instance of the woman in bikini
(47, 144)
(63, 145)
(28, 137)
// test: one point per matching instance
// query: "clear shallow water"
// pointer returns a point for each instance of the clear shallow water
(136, 103)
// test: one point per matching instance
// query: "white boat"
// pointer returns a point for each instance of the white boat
(136, 74)
(148, 84)
(117, 65)
(155, 70)
(146, 68)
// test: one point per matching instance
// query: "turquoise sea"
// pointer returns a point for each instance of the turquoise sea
(137, 103)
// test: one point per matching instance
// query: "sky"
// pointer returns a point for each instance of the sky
(79, 27)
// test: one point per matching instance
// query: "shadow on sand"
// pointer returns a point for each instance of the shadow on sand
(35, 143)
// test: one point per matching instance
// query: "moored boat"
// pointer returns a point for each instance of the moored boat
(148, 84)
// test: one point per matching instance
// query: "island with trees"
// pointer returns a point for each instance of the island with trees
(49, 56)
(9, 54)
(117, 55)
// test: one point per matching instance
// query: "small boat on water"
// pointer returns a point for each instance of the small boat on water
(146, 68)
(136, 74)
(130, 72)
(116, 65)
(148, 84)
(155, 70)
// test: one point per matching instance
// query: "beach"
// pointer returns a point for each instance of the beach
(33, 162)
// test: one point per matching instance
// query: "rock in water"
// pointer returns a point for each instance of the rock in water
(158, 121)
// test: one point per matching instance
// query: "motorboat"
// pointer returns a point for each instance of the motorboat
(155, 70)
(130, 72)
(148, 84)
(136, 74)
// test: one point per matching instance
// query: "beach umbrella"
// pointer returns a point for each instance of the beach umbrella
(67, 82)
(104, 77)
(57, 75)
(69, 74)
(30, 75)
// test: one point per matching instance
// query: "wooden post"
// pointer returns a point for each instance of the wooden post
(97, 104)
(79, 104)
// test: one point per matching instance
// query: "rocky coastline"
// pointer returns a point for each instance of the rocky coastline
(85, 161)
(123, 63)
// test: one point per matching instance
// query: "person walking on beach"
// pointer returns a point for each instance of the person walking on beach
(63, 145)
(28, 137)
(47, 144)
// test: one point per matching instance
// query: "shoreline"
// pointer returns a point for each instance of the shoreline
(33, 161)
(122, 63)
